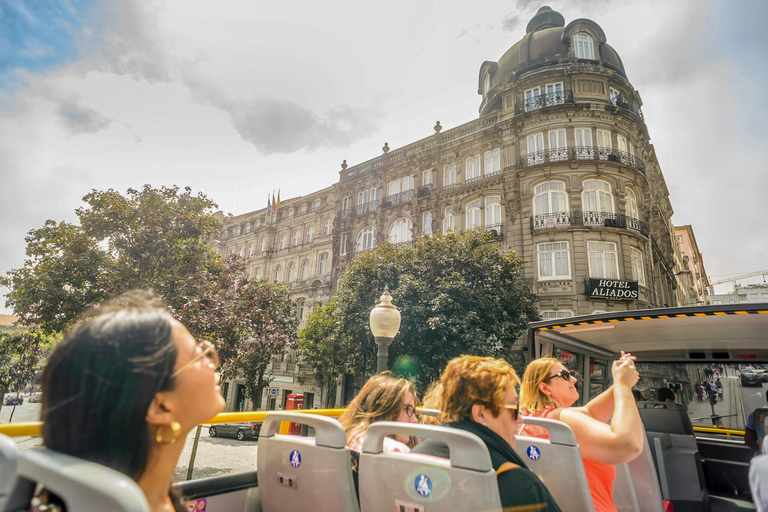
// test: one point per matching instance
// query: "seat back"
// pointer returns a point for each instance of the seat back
(83, 486)
(8, 462)
(681, 474)
(411, 481)
(300, 472)
(558, 463)
(636, 487)
(666, 417)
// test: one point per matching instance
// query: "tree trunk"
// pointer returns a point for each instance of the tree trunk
(3, 390)
(257, 391)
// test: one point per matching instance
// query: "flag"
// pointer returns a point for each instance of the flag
(278, 199)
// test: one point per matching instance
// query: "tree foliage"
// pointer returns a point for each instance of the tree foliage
(323, 345)
(249, 320)
(149, 238)
(20, 353)
(458, 294)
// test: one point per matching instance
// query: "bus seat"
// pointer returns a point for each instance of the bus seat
(8, 462)
(411, 481)
(636, 488)
(234, 492)
(82, 486)
(666, 417)
(558, 463)
(681, 475)
(301, 473)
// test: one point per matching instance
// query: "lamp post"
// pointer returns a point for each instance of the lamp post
(384, 324)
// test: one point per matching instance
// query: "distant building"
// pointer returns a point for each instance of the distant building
(7, 324)
(692, 261)
(558, 167)
(751, 293)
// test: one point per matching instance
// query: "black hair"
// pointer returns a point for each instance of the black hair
(638, 395)
(663, 394)
(101, 379)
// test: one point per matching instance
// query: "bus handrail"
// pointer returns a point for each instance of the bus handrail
(727, 432)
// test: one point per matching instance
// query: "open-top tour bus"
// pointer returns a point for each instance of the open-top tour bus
(694, 459)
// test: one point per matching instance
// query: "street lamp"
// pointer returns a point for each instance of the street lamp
(384, 323)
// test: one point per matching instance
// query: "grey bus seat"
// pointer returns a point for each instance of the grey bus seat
(680, 470)
(8, 462)
(83, 486)
(667, 417)
(411, 481)
(558, 463)
(636, 487)
(300, 472)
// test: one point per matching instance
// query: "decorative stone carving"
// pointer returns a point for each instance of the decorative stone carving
(438, 127)
(343, 165)
(385, 149)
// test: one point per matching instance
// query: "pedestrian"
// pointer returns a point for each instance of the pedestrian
(699, 392)
(719, 386)
(713, 389)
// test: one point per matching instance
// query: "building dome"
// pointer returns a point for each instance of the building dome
(548, 41)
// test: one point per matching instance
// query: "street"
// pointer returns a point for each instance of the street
(737, 403)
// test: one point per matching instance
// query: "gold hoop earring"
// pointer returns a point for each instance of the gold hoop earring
(175, 428)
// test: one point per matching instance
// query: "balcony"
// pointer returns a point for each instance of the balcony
(424, 190)
(549, 99)
(582, 154)
(495, 229)
(362, 209)
(578, 218)
(618, 101)
(402, 197)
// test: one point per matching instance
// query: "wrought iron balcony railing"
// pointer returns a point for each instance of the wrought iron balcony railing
(618, 101)
(582, 153)
(364, 208)
(544, 100)
(424, 190)
(578, 218)
(402, 197)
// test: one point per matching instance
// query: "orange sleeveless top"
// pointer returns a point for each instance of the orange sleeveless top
(600, 476)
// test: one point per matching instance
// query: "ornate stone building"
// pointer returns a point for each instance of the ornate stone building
(292, 245)
(558, 166)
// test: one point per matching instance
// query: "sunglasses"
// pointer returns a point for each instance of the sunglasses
(206, 350)
(513, 408)
(563, 374)
(410, 410)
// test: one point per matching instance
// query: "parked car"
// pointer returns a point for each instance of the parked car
(241, 431)
(11, 399)
(750, 378)
(35, 397)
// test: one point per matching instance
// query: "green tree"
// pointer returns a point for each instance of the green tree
(149, 238)
(323, 345)
(458, 294)
(20, 353)
(249, 321)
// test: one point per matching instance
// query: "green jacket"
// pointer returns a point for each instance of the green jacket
(520, 489)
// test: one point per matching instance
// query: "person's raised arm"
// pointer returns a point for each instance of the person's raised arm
(622, 440)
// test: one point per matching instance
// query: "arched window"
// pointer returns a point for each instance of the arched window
(400, 231)
(304, 270)
(291, 272)
(583, 137)
(493, 212)
(296, 238)
(448, 220)
(278, 273)
(596, 198)
(366, 239)
(550, 204)
(474, 215)
(426, 223)
(583, 46)
(631, 202)
(322, 266)
(558, 150)
(310, 234)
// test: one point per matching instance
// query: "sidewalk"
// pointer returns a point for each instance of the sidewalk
(730, 407)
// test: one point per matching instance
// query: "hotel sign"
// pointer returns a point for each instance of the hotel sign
(611, 289)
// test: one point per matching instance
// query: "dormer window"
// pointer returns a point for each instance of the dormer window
(486, 84)
(583, 46)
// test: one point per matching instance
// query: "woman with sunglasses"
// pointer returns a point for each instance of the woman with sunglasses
(478, 396)
(125, 387)
(549, 391)
(383, 398)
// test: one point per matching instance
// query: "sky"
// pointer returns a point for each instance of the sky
(241, 98)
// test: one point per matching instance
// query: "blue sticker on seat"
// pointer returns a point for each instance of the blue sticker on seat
(533, 453)
(423, 486)
(295, 458)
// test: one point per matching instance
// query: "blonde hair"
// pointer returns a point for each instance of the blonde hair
(381, 399)
(470, 380)
(532, 398)
(433, 399)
